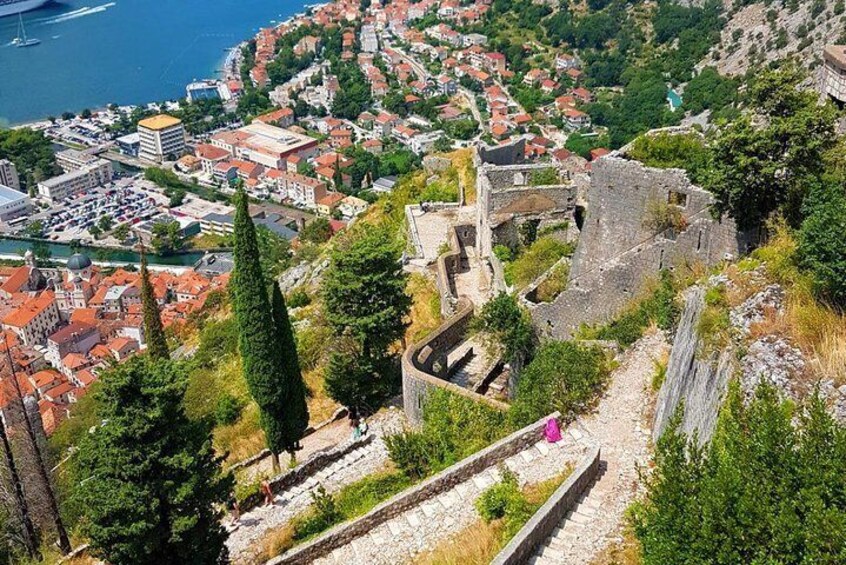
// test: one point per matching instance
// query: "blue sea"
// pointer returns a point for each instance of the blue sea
(97, 52)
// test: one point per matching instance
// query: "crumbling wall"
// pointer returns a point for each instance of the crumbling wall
(506, 154)
(424, 365)
(618, 251)
(505, 198)
(451, 263)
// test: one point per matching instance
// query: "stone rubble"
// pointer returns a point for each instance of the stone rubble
(771, 359)
(753, 309)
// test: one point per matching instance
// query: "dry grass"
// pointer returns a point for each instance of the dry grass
(320, 406)
(475, 545)
(425, 314)
(625, 552)
(818, 330)
(462, 160)
(276, 542)
(479, 543)
(242, 439)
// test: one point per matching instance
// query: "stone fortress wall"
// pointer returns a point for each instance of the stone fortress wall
(451, 263)
(618, 252)
(506, 199)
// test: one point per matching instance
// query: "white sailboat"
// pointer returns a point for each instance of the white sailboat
(22, 40)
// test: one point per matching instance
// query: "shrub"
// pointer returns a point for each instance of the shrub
(822, 241)
(218, 339)
(667, 150)
(507, 326)
(298, 298)
(554, 284)
(413, 453)
(322, 515)
(661, 216)
(503, 253)
(359, 497)
(496, 500)
(454, 427)
(563, 376)
(228, 410)
(767, 465)
(659, 307)
(543, 177)
(537, 259)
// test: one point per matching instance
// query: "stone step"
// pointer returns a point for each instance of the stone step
(585, 509)
(563, 541)
(539, 560)
(551, 553)
(578, 518)
(542, 448)
(413, 519)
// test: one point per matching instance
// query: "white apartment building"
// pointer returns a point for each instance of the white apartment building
(162, 138)
(369, 41)
(9, 175)
(97, 173)
(13, 204)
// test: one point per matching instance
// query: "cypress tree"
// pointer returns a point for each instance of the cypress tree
(153, 329)
(261, 354)
(295, 416)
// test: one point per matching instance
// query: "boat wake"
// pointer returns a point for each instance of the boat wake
(79, 13)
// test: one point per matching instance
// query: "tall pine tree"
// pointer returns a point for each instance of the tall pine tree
(262, 356)
(148, 479)
(295, 418)
(153, 329)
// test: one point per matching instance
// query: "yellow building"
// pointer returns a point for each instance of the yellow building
(162, 138)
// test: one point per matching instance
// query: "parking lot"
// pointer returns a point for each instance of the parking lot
(124, 201)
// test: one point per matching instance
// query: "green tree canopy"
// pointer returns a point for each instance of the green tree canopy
(262, 355)
(757, 168)
(763, 491)
(294, 419)
(364, 290)
(822, 239)
(563, 376)
(147, 479)
(153, 329)
(507, 326)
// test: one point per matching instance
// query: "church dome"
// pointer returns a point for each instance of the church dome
(78, 262)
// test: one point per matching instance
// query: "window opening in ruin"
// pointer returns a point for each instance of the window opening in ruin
(579, 216)
(677, 199)
(661, 261)
(699, 241)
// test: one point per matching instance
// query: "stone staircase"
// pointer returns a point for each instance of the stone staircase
(469, 371)
(245, 538)
(419, 529)
(571, 542)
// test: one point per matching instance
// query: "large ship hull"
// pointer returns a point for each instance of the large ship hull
(16, 7)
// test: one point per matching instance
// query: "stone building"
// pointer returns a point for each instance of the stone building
(509, 196)
(620, 249)
(834, 73)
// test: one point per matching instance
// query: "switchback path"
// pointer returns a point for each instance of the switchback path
(621, 427)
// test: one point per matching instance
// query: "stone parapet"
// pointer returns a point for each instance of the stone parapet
(539, 527)
(424, 365)
(410, 498)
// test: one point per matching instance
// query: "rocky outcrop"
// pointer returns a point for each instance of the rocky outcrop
(772, 31)
(700, 384)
